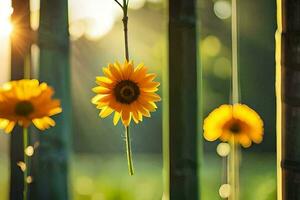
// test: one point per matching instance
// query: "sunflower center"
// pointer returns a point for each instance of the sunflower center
(24, 108)
(126, 91)
(235, 127)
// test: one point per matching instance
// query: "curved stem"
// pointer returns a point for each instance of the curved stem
(26, 161)
(128, 151)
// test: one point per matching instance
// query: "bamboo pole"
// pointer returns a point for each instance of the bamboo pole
(21, 41)
(50, 167)
(181, 133)
(289, 61)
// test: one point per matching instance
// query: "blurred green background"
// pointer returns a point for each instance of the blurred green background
(98, 165)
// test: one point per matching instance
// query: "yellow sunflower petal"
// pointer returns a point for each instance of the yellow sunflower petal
(10, 126)
(101, 90)
(23, 101)
(116, 118)
(105, 112)
(126, 116)
(104, 81)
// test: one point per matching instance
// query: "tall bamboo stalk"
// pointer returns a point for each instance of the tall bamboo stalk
(182, 120)
(288, 60)
(50, 169)
(20, 50)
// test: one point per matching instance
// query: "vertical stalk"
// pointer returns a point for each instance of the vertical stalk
(128, 151)
(26, 161)
(125, 24)
(183, 121)
(234, 170)
(127, 133)
(278, 99)
(22, 32)
(234, 163)
(51, 163)
(234, 47)
(288, 59)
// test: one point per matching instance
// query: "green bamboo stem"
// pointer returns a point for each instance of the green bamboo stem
(288, 62)
(26, 161)
(50, 166)
(128, 151)
(183, 144)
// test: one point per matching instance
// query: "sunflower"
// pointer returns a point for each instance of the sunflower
(128, 91)
(237, 123)
(27, 101)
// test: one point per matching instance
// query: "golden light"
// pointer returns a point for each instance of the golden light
(222, 68)
(211, 46)
(137, 4)
(29, 179)
(224, 191)
(5, 13)
(97, 28)
(92, 20)
(6, 28)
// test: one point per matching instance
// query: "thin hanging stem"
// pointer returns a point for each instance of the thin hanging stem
(234, 40)
(127, 132)
(125, 24)
(128, 151)
(26, 161)
(118, 3)
(234, 168)
(234, 163)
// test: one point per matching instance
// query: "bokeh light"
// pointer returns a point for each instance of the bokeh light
(29, 179)
(35, 14)
(222, 9)
(5, 29)
(92, 19)
(29, 151)
(211, 46)
(137, 4)
(84, 185)
(223, 149)
(96, 28)
(224, 191)
(98, 196)
(5, 13)
(222, 68)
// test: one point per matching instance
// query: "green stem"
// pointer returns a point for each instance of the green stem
(128, 151)
(234, 40)
(26, 161)
(234, 168)
(125, 24)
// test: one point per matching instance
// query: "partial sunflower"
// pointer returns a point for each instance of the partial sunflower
(27, 101)
(237, 123)
(128, 91)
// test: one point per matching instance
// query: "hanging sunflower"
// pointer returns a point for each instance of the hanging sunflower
(25, 102)
(237, 123)
(127, 91)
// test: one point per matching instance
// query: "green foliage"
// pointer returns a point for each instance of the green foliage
(95, 177)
